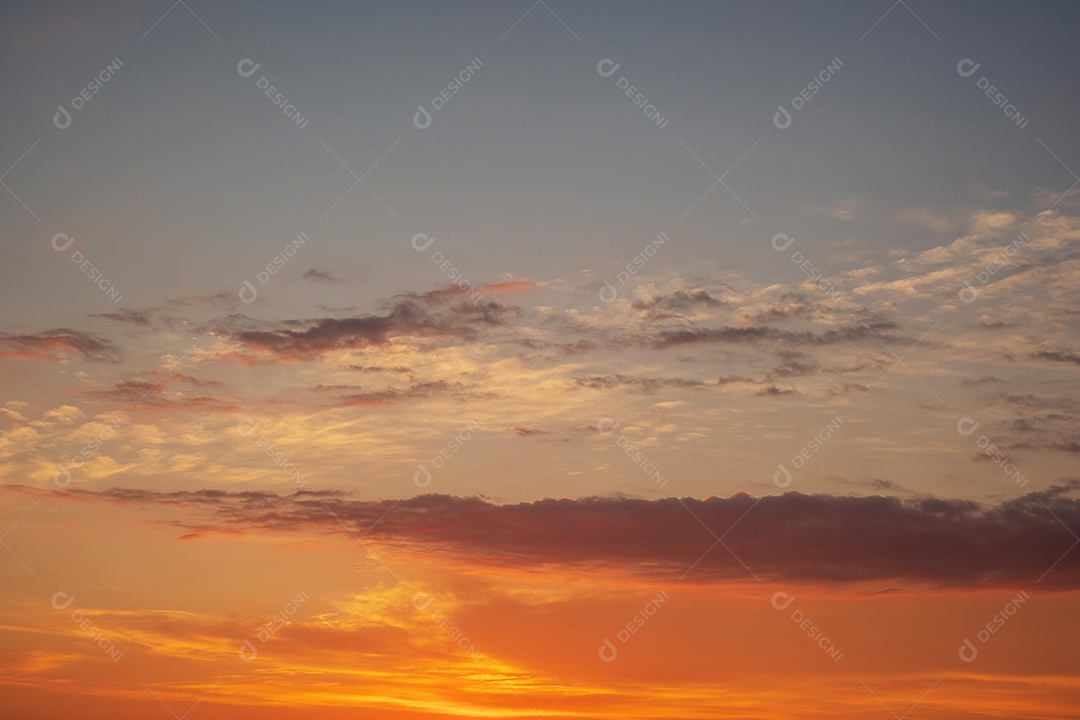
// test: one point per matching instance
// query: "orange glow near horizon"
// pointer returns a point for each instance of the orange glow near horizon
(419, 633)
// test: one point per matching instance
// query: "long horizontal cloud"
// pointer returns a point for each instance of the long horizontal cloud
(410, 315)
(791, 537)
(58, 344)
(764, 333)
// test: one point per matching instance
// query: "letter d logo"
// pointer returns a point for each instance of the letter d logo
(62, 477)
(62, 118)
(246, 426)
(782, 477)
(608, 293)
(965, 426)
(611, 66)
(967, 651)
(249, 63)
(425, 474)
(607, 651)
(781, 237)
(421, 112)
(248, 652)
(782, 118)
(248, 293)
(421, 237)
(63, 246)
(60, 603)
(968, 293)
(971, 66)
(782, 601)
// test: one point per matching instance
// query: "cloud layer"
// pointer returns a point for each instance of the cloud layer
(787, 538)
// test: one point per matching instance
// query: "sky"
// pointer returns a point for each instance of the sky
(509, 360)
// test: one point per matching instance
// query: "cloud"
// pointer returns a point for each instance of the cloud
(762, 333)
(984, 380)
(426, 315)
(172, 391)
(1058, 356)
(648, 385)
(394, 396)
(58, 344)
(511, 287)
(773, 391)
(793, 537)
(526, 431)
(320, 275)
(677, 304)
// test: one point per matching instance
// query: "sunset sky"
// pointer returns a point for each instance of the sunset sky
(431, 360)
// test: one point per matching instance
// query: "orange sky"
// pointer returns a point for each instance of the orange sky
(408, 631)
(429, 360)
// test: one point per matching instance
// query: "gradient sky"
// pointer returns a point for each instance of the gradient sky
(801, 398)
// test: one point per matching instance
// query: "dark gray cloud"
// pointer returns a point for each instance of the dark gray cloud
(792, 537)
